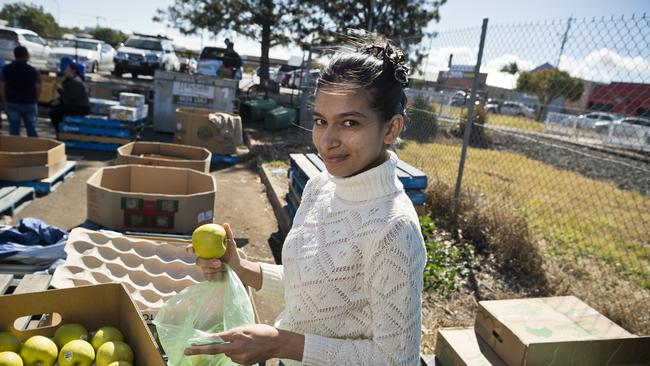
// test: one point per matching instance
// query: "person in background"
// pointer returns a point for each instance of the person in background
(20, 86)
(231, 61)
(73, 100)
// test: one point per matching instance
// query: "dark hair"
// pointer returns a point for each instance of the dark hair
(21, 52)
(377, 67)
(74, 67)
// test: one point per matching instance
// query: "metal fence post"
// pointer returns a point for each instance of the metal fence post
(470, 110)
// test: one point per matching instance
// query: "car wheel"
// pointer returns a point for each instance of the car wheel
(134, 75)
(521, 114)
(94, 68)
(117, 72)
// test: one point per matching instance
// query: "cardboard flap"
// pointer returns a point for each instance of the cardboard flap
(627, 351)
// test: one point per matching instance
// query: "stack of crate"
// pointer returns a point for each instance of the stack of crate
(110, 125)
(303, 167)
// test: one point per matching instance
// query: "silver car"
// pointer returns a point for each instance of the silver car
(10, 38)
(516, 109)
(94, 54)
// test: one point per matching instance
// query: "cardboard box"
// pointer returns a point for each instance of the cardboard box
(92, 306)
(49, 90)
(102, 107)
(161, 154)
(131, 99)
(27, 173)
(556, 330)
(128, 114)
(461, 347)
(67, 136)
(194, 127)
(150, 198)
(17, 151)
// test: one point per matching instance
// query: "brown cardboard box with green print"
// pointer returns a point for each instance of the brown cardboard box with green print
(461, 347)
(557, 331)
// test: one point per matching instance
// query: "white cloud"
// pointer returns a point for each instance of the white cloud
(503, 79)
(605, 65)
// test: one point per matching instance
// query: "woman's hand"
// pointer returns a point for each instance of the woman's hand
(254, 343)
(212, 268)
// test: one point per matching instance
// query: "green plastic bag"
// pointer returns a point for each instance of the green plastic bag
(207, 307)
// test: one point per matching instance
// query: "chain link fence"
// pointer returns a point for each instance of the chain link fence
(558, 143)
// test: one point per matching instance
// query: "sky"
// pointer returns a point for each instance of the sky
(529, 45)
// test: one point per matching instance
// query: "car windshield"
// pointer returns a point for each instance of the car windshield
(72, 43)
(145, 44)
(637, 122)
(9, 35)
(213, 53)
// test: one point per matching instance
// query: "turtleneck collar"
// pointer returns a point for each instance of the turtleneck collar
(374, 183)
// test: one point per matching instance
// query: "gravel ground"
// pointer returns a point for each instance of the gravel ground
(627, 173)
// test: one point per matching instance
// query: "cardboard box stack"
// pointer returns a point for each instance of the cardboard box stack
(541, 331)
(216, 131)
(49, 90)
(110, 125)
(29, 158)
(150, 198)
(161, 154)
(93, 307)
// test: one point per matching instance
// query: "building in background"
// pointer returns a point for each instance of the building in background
(623, 98)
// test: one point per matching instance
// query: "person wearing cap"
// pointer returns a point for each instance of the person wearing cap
(73, 100)
(20, 88)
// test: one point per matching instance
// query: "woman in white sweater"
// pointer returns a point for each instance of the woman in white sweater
(352, 265)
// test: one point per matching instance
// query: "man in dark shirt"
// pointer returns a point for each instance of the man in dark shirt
(74, 97)
(231, 61)
(20, 86)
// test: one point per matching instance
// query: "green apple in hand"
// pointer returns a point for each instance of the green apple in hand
(77, 353)
(69, 332)
(9, 342)
(8, 358)
(39, 351)
(112, 351)
(209, 241)
(106, 334)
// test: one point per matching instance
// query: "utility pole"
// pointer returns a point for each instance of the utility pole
(564, 39)
(370, 14)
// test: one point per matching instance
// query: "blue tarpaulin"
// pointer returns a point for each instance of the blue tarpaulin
(32, 242)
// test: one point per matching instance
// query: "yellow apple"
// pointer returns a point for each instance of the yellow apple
(209, 241)
(39, 351)
(69, 332)
(106, 334)
(120, 363)
(112, 351)
(9, 342)
(8, 358)
(77, 353)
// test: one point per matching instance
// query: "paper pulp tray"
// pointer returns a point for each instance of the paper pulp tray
(150, 198)
(151, 271)
(93, 306)
(162, 154)
(556, 330)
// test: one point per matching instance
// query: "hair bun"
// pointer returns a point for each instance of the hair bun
(395, 58)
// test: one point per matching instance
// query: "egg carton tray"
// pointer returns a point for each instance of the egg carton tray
(151, 271)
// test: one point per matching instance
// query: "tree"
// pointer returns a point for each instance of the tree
(270, 21)
(511, 68)
(31, 17)
(404, 22)
(108, 35)
(548, 85)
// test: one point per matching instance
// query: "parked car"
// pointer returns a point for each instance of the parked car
(143, 55)
(493, 105)
(459, 98)
(210, 61)
(11, 38)
(292, 79)
(633, 125)
(94, 54)
(516, 109)
(188, 65)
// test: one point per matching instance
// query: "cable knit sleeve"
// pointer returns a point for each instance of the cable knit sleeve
(272, 281)
(393, 267)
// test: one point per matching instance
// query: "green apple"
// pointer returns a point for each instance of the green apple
(209, 241)
(39, 351)
(120, 363)
(106, 334)
(112, 351)
(69, 332)
(9, 342)
(77, 353)
(8, 358)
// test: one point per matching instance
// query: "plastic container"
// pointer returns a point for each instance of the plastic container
(279, 118)
(254, 110)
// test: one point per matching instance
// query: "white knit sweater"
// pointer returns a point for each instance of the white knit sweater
(352, 271)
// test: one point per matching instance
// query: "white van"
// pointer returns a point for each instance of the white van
(11, 38)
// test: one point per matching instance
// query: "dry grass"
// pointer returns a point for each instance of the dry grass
(575, 215)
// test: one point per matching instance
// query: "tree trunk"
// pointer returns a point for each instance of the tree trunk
(267, 5)
(542, 109)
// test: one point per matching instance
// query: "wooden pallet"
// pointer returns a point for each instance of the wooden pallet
(47, 185)
(96, 139)
(13, 199)
(10, 284)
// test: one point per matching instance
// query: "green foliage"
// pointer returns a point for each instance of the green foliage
(478, 137)
(421, 124)
(510, 68)
(109, 35)
(548, 85)
(448, 263)
(31, 17)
